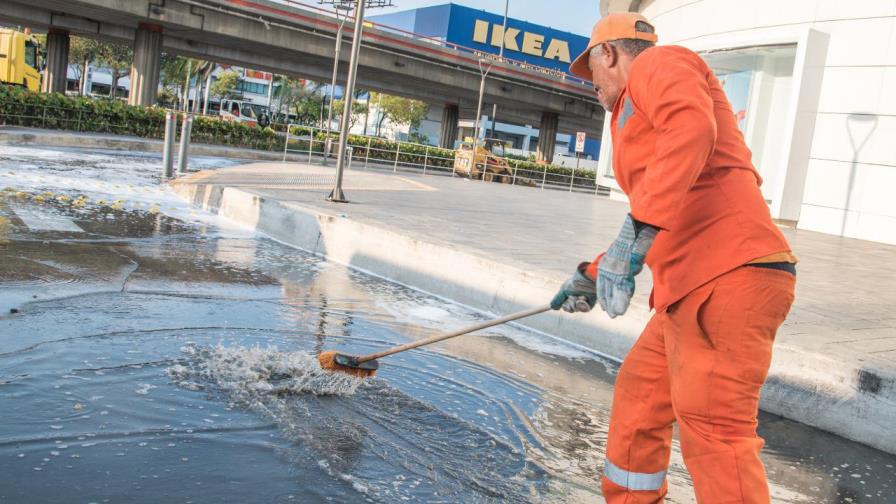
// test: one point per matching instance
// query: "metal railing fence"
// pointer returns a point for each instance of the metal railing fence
(379, 154)
(51, 116)
(319, 145)
(109, 118)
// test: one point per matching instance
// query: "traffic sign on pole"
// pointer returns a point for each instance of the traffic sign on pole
(580, 142)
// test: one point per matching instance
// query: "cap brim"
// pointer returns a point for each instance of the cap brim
(579, 66)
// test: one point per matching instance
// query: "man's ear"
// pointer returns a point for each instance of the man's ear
(610, 54)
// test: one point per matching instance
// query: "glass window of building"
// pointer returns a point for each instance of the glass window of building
(253, 87)
(758, 82)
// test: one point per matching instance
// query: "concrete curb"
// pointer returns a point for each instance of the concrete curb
(807, 387)
(50, 138)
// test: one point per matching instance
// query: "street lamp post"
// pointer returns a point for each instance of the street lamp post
(484, 73)
(336, 195)
(337, 50)
(333, 85)
(500, 56)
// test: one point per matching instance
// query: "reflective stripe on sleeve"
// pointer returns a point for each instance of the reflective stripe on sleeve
(634, 480)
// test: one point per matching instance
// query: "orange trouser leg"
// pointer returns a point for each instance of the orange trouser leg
(638, 445)
(719, 345)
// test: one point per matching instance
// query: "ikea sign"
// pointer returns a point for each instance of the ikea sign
(484, 31)
(523, 41)
(516, 40)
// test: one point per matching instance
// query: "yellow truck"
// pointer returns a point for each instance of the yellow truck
(20, 59)
(485, 161)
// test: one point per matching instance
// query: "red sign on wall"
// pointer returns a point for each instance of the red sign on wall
(255, 74)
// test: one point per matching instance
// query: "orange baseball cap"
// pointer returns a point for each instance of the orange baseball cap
(615, 26)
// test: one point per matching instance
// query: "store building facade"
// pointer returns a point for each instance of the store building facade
(547, 48)
(812, 83)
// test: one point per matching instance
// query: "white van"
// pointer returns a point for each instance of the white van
(243, 112)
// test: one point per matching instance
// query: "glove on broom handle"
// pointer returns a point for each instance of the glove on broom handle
(459, 332)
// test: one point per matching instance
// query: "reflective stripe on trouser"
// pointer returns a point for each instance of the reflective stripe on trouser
(700, 363)
(634, 480)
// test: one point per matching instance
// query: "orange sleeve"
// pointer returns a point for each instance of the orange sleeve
(591, 270)
(673, 93)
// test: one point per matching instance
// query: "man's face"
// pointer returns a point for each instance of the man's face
(604, 70)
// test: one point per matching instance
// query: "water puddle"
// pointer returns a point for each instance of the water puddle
(160, 356)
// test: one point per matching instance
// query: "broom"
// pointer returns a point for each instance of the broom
(364, 366)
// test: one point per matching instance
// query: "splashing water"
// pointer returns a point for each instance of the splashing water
(244, 373)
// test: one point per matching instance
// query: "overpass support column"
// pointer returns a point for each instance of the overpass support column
(146, 66)
(448, 135)
(55, 75)
(547, 137)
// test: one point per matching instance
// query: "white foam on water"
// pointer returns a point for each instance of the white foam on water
(128, 180)
(245, 372)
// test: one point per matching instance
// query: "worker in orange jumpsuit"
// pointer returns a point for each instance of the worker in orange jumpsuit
(723, 274)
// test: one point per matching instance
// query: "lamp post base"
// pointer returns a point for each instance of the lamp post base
(337, 196)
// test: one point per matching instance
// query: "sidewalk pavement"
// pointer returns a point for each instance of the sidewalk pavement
(499, 248)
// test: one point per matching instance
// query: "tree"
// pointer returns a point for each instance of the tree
(174, 73)
(225, 85)
(399, 111)
(358, 109)
(117, 58)
(301, 98)
(82, 51)
(204, 71)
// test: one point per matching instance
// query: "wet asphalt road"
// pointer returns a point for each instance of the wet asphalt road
(150, 353)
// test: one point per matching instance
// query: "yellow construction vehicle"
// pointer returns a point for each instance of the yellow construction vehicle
(20, 59)
(485, 161)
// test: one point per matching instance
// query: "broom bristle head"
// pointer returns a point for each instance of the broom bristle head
(328, 362)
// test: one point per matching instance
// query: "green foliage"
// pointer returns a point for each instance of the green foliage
(297, 97)
(19, 107)
(418, 138)
(81, 52)
(225, 84)
(400, 111)
(358, 109)
(117, 58)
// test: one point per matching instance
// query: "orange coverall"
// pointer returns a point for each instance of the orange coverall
(681, 159)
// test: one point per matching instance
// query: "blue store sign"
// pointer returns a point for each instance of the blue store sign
(483, 31)
(535, 44)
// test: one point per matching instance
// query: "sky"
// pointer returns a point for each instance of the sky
(576, 16)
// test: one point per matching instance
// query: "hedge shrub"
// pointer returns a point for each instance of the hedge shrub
(19, 107)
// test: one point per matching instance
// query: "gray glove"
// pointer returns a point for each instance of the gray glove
(579, 293)
(617, 268)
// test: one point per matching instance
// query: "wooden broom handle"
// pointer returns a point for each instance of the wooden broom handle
(459, 332)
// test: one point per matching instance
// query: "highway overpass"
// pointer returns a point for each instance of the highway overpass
(286, 37)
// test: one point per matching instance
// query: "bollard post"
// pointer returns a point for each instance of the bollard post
(572, 177)
(545, 178)
(513, 180)
(425, 158)
(310, 145)
(367, 154)
(168, 146)
(286, 143)
(349, 151)
(397, 152)
(184, 144)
